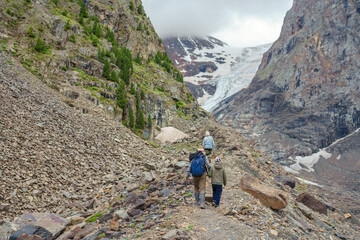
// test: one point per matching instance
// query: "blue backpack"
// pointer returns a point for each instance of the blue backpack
(197, 168)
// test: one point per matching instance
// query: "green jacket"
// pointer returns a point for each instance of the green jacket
(218, 174)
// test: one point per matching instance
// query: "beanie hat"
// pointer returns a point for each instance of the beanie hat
(200, 149)
(218, 159)
(207, 133)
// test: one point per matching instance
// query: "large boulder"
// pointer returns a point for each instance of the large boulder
(269, 197)
(312, 203)
(170, 134)
(43, 223)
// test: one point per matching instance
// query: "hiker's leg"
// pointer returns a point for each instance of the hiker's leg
(214, 192)
(196, 181)
(219, 192)
(202, 186)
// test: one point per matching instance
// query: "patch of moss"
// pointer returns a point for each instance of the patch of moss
(94, 217)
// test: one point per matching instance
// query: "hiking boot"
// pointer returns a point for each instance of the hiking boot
(202, 200)
(197, 198)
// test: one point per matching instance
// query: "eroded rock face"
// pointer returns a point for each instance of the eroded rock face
(305, 93)
(269, 197)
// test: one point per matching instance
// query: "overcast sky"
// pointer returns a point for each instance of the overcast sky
(239, 23)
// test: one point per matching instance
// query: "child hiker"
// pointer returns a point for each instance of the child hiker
(218, 178)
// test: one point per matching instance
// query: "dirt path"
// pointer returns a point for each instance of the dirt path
(211, 223)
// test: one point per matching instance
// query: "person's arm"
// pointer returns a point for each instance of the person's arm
(203, 142)
(188, 171)
(224, 176)
(211, 172)
(207, 164)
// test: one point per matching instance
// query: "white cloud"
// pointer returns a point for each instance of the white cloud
(237, 22)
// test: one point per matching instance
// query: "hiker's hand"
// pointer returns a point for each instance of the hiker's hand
(186, 179)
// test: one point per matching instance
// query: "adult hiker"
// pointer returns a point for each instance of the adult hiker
(208, 143)
(218, 178)
(198, 167)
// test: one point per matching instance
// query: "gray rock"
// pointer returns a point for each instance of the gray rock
(181, 164)
(170, 235)
(165, 192)
(122, 214)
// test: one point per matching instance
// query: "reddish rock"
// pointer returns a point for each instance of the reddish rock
(312, 203)
(269, 197)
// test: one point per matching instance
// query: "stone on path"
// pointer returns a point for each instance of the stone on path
(269, 197)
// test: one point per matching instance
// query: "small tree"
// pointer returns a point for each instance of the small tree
(110, 36)
(106, 69)
(132, 89)
(140, 9)
(149, 121)
(131, 118)
(142, 95)
(138, 59)
(140, 122)
(121, 95)
(113, 76)
(137, 101)
(132, 6)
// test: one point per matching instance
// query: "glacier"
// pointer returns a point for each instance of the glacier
(239, 76)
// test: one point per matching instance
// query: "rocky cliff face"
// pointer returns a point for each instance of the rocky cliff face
(66, 45)
(305, 94)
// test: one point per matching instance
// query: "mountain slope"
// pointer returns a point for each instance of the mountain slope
(305, 93)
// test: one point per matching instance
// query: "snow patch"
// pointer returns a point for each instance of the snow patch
(308, 182)
(338, 157)
(308, 161)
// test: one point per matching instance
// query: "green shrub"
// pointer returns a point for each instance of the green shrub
(9, 12)
(31, 33)
(40, 46)
(132, 6)
(73, 38)
(67, 25)
(64, 68)
(64, 13)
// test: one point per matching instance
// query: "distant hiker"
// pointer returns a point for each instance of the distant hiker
(218, 178)
(198, 167)
(208, 143)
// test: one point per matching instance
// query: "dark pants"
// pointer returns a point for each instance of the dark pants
(217, 191)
